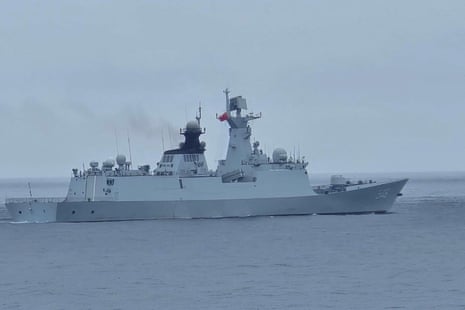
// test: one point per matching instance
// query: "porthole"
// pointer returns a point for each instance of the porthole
(74, 212)
(92, 211)
(20, 212)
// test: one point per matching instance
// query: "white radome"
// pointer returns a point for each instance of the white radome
(121, 160)
(193, 126)
(279, 155)
(109, 163)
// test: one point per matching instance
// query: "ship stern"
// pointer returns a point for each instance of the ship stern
(32, 210)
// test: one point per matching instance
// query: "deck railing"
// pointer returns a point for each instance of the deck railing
(33, 199)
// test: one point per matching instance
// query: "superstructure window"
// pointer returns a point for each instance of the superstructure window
(110, 182)
(167, 158)
(191, 157)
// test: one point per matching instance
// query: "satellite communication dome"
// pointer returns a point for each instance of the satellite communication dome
(193, 126)
(121, 160)
(109, 163)
(93, 164)
(279, 155)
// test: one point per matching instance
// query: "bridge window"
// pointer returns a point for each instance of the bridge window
(167, 158)
(191, 157)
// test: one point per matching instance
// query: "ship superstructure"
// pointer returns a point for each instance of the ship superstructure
(246, 183)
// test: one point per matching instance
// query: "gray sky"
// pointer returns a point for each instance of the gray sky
(357, 86)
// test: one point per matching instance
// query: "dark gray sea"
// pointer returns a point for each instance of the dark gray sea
(412, 258)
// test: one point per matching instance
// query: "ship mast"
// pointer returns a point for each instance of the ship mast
(198, 117)
(239, 147)
(226, 92)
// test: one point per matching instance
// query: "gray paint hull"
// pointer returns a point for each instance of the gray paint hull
(377, 198)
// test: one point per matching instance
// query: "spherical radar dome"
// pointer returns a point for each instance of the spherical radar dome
(193, 126)
(279, 155)
(109, 163)
(121, 160)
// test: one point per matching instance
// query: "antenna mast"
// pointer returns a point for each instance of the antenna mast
(226, 92)
(198, 117)
(129, 146)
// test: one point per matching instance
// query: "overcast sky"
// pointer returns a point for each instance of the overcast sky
(357, 86)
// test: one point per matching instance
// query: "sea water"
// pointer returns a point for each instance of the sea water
(411, 258)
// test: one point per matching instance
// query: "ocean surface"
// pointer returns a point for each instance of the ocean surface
(411, 258)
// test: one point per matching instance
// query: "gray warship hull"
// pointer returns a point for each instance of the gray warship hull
(377, 198)
(246, 183)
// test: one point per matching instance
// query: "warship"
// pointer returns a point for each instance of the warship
(246, 183)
